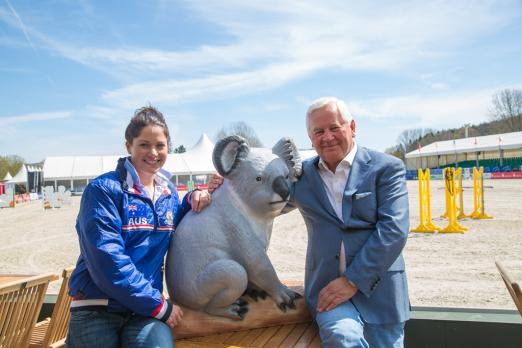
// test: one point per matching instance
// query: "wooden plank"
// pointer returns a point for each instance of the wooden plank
(308, 336)
(250, 337)
(265, 336)
(294, 335)
(512, 287)
(280, 335)
(236, 337)
(316, 342)
(194, 344)
(218, 338)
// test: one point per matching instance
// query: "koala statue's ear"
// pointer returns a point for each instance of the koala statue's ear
(228, 152)
(286, 149)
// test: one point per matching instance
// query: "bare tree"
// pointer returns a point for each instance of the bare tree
(396, 151)
(409, 140)
(11, 164)
(241, 129)
(507, 106)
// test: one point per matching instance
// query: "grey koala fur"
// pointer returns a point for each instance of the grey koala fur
(219, 254)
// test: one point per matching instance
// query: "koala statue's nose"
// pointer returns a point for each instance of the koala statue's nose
(280, 187)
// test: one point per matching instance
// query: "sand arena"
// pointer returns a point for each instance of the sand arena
(447, 270)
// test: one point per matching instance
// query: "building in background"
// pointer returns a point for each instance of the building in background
(496, 153)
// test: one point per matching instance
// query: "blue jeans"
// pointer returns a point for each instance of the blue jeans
(98, 329)
(343, 327)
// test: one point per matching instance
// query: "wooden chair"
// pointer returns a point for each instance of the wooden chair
(54, 329)
(21, 300)
(513, 287)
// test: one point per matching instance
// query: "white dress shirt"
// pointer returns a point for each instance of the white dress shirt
(334, 183)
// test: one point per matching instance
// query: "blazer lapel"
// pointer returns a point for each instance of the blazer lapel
(318, 188)
(358, 171)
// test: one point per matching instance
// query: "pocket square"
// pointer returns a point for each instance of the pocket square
(362, 195)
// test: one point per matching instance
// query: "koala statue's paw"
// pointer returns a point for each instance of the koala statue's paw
(288, 296)
(255, 293)
(239, 309)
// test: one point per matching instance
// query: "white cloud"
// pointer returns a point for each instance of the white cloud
(425, 111)
(32, 117)
(177, 91)
(439, 86)
(325, 34)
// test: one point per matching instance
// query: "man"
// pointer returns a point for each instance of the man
(355, 205)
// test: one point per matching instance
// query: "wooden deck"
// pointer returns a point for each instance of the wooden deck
(289, 335)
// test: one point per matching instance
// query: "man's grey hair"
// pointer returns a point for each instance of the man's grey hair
(323, 101)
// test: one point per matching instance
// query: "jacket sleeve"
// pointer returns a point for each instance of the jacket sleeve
(385, 244)
(103, 249)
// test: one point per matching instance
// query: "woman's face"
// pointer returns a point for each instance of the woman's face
(149, 150)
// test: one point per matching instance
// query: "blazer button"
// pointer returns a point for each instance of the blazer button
(337, 256)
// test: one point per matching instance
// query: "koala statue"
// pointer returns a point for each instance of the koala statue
(219, 254)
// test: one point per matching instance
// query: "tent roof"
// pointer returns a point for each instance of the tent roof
(199, 158)
(503, 141)
(20, 177)
(68, 167)
(7, 177)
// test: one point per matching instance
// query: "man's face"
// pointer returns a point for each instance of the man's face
(331, 137)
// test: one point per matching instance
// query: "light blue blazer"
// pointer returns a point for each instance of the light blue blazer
(374, 231)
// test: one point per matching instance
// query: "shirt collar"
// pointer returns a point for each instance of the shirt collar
(161, 180)
(346, 162)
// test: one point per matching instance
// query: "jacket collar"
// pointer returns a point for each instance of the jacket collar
(131, 182)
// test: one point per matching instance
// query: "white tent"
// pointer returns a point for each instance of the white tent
(197, 160)
(75, 172)
(7, 177)
(20, 177)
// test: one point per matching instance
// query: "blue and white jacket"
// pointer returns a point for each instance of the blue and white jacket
(124, 237)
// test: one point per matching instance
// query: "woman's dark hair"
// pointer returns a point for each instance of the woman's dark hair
(142, 118)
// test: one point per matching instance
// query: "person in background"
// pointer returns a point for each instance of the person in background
(127, 218)
(355, 205)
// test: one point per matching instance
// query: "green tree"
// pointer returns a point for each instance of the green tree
(180, 149)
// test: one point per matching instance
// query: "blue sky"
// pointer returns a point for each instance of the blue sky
(73, 72)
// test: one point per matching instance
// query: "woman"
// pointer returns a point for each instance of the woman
(126, 221)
